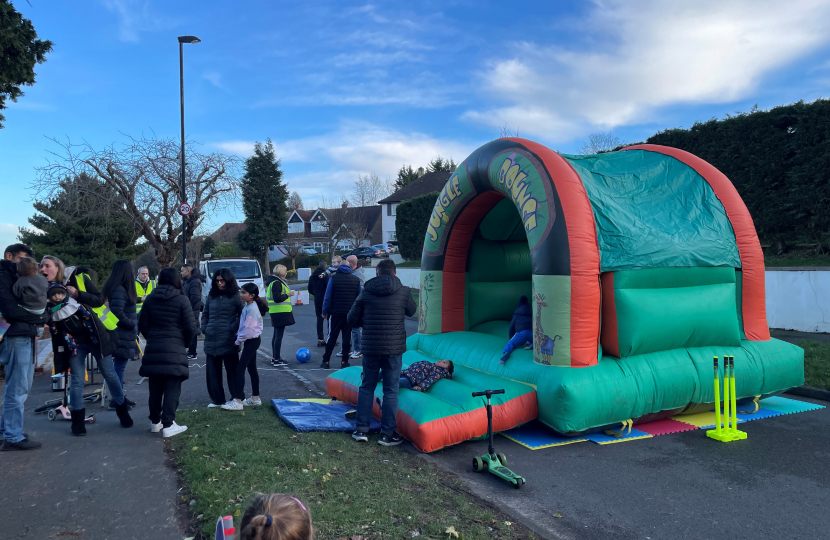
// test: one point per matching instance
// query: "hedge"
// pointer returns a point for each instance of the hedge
(779, 161)
(411, 225)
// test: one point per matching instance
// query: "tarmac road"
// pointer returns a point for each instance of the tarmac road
(773, 485)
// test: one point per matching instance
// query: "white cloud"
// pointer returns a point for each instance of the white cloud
(134, 17)
(214, 78)
(352, 149)
(655, 54)
(8, 234)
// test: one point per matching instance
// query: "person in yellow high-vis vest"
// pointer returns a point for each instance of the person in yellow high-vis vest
(278, 295)
(81, 327)
(143, 287)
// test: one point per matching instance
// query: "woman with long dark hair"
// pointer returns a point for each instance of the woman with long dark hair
(119, 291)
(167, 323)
(82, 325)
(220, 323)
(250, 328)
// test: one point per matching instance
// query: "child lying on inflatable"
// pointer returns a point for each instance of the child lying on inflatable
(521, 329)
(421, 375)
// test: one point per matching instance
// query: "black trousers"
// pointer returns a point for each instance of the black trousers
(338, 325)
(247, 362)
(318, 310)
(213, 375)
(192, 349)
(164, 399)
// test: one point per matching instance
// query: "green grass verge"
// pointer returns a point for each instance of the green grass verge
(408, 264)
(351, 489)
(816, 364)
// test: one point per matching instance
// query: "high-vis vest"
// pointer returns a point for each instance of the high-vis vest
(278, 307)
(104, 314)
(141, 290)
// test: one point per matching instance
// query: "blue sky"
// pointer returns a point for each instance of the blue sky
(348, 88)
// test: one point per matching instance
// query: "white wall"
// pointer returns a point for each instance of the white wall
(387, 222)
(411, 277)
(798, 300)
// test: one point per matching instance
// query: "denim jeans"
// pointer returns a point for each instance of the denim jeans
(518, 340)
(357, 337)
(120, 365)
(373, 366)
(16, 357)
(78, 366)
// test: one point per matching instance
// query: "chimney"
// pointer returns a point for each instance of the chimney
(420, 172)
(344, 205)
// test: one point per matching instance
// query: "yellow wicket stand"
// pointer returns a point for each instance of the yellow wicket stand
(728, 429)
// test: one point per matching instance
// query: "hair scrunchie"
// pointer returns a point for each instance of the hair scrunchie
(268, 520)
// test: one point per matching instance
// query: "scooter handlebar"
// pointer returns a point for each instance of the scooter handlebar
(488, 393)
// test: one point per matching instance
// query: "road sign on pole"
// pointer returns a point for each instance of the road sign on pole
(184, 209)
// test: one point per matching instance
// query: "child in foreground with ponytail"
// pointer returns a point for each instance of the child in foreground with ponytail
(275, 516)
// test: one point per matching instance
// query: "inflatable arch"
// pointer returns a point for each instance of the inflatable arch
(640, 265)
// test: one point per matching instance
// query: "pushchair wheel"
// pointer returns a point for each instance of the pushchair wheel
(51, 414)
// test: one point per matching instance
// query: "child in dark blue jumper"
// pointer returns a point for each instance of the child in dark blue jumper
(521, 329)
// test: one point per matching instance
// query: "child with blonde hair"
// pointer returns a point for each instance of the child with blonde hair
(274, 516)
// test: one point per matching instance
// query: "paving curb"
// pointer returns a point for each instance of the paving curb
(810, 392)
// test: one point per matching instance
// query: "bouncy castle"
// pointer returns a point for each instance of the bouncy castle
(640, 265)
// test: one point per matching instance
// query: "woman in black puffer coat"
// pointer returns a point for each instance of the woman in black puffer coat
(167, 323)
(220, 323)
(119, 291)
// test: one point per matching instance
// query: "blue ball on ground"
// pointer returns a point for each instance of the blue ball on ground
(303, 355)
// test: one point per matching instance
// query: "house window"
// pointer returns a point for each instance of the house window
(318, 226)
(392, 236)
(391, 209)
(295, 227)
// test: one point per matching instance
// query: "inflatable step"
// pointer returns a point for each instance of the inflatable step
(447, 413)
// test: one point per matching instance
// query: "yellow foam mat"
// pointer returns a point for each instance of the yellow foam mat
(699, 420)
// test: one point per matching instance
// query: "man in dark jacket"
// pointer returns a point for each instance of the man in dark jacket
(341, 292)
(16, 352)
(192, 284)
(317, 287)
(381, 310)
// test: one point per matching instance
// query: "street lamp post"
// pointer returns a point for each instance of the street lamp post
(182, 41)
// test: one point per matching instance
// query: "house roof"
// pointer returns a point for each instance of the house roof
(228, 232)
(305, 215)
(428, 183)
(368, 215)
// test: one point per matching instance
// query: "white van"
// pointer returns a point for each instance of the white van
(244, 270)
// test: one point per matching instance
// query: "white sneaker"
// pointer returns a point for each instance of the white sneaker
(175, 429)
(249, 402)
(155, 428)
(356, 355)
(339, 354)
(212, 405)
(233, 405)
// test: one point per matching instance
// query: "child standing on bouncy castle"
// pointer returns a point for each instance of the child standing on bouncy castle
(521, 329)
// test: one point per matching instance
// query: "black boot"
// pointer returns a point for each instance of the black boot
(123, 412)
(130, 404)
(78, 425)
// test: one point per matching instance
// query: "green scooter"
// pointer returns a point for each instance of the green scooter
(493, 462)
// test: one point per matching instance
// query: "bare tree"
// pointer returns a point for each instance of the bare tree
(145, 172)
(293, 247)
(369, 189)
(295, 202)
(333, 210)
(505, 131)
(600, 142)
(354, 224)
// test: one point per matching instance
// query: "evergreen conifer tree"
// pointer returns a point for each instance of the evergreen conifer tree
(264, 202)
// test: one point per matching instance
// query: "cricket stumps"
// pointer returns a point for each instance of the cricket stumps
(727, 429)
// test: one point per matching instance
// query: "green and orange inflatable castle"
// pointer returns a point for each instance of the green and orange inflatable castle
(641, 265)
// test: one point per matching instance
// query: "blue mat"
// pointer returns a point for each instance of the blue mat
(535, 435)
(306, 416)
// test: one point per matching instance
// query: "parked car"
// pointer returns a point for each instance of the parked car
(391, 247)
(368, 253)
(381, 247)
